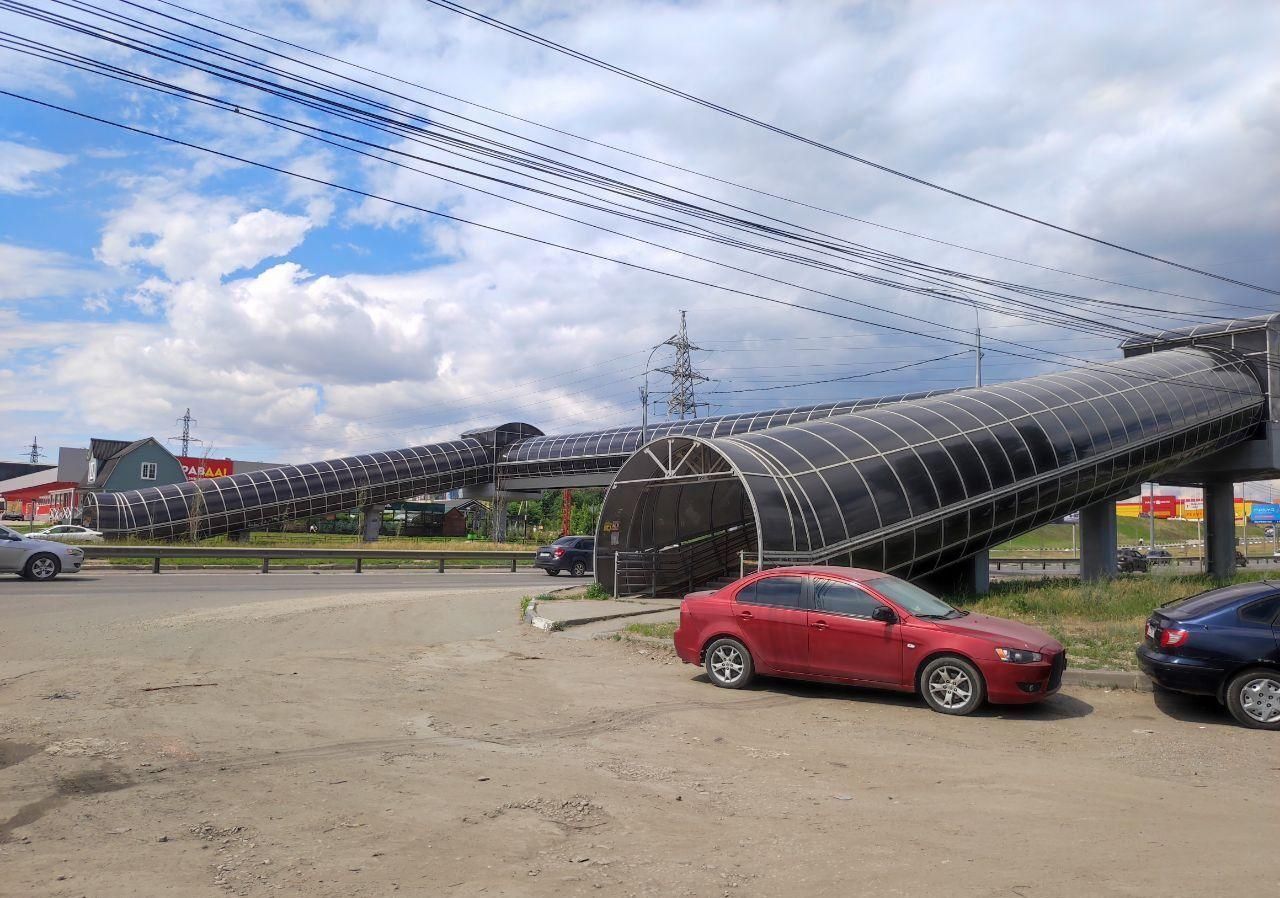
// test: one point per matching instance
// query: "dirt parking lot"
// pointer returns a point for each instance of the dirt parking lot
(402, 734)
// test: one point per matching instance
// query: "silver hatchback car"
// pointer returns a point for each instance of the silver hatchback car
(37, 559)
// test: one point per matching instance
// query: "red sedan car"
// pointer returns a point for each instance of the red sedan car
(846, 625)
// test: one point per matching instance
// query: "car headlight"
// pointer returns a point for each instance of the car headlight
(1018, 656)
(72, 550)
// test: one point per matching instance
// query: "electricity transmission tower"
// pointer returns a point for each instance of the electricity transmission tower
(186, 439)
(33, 451)
(682, 402)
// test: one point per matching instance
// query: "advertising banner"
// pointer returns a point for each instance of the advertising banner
(1264, 513)
(202, 468)
(1164, 506)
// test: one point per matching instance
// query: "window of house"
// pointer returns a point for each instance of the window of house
(148, 470)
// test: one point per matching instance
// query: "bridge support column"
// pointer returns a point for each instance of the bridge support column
(500, 508)
(1098, 541)
(371, 523)
(969, 577)
(1220, 528)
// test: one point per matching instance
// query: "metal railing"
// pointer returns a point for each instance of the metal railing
(358, 556)
(681, 568)
(749, 561)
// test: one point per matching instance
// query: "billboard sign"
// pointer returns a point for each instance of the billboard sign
(1264, 513)
(1164, 506)
(204, 468)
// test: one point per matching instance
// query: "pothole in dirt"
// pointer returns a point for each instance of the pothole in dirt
(15, 752)
(576, 812)
(94, 782)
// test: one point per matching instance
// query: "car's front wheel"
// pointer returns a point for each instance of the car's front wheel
(729, 664)
(1253, 697)
(579, 569)
(951, 685)
(41, 567)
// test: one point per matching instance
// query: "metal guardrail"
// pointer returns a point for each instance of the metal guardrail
(358, 556)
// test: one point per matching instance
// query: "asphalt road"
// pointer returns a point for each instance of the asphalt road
(75, 616)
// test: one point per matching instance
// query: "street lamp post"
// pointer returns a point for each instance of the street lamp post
(644, 397)
(977, 342)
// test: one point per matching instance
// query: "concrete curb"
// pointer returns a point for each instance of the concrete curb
(1107, 679)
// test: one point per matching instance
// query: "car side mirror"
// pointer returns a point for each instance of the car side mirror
(884, 614)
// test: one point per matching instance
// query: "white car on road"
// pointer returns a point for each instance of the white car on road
(68, 533)
(37, 559)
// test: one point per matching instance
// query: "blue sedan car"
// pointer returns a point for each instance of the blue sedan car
(1224, 643)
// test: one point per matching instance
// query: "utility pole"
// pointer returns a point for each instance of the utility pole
(186, 439)
(33, 451)
(682, 401)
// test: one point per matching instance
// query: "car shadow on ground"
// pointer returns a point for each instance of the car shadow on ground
(1202, 709)
(1057, 707)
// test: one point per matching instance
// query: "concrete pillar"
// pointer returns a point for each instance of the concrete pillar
(500, 508)
(969, 577)
(981, 573)
(1098, 540)
(371, 523)
(1220, 528)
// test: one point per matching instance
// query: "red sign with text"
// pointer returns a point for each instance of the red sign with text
(1165, 506)
(202, 468)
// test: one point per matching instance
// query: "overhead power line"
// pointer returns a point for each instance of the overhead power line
(817, 144)
(550, 243)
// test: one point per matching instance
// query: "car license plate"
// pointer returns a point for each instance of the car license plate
(544, 554)
(1151, 631)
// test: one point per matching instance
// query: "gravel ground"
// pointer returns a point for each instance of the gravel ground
(416, 739)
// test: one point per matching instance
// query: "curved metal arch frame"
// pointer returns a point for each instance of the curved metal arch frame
(1060, 441)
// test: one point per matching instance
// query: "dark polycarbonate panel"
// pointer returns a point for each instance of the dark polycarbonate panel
(913, 486)
(226, 504)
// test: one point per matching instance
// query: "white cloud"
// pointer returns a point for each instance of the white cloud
(187, 236)
(26, 273)
(1107, 120)
(22, 167)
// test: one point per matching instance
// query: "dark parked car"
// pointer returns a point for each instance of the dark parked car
(1130, 561)
(1224, 643)
(1159, 556)
(575, 554)
(846, 625)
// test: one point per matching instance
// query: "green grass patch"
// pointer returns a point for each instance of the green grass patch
(1099, 623)
(658, 631)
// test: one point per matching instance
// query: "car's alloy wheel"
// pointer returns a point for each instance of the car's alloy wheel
(42, 567)
(1254, 699)
(579, 568)
(729, 664)
(552, 571)
(952, 686)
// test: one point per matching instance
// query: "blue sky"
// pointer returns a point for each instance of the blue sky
(139, 278)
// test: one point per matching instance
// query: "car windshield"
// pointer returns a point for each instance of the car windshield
(913, 599)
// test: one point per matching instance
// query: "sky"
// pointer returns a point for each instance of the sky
(297, 321)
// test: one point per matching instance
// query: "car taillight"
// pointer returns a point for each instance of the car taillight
(559, 552)
(1173, 638)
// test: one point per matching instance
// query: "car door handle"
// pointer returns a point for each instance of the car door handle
(745, 615)
(819, 625)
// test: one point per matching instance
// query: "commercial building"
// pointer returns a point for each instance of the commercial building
(44, 493)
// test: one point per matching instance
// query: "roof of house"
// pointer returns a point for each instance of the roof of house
(26, 481)
(111, 452)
